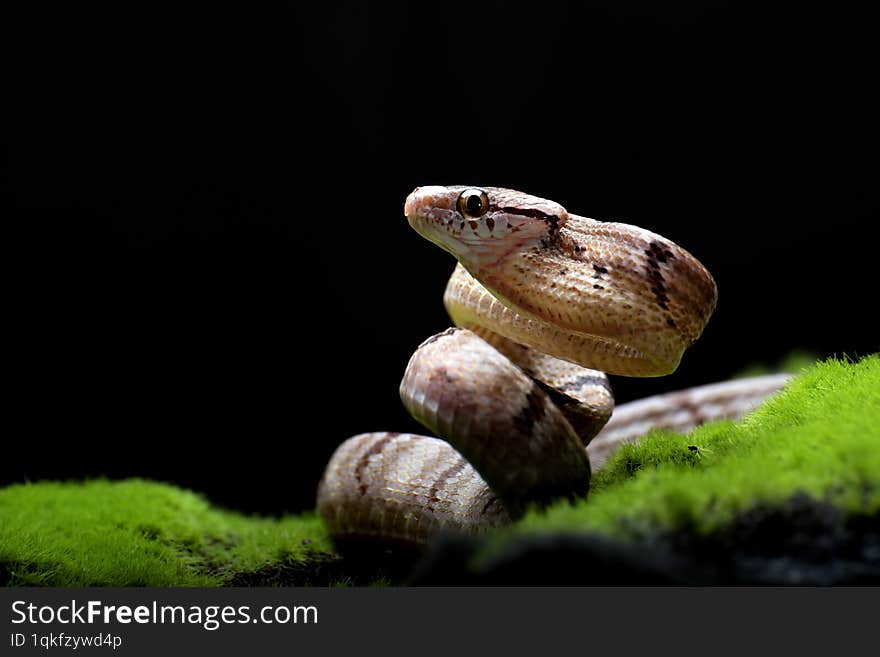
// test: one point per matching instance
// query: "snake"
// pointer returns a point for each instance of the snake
(544, 305)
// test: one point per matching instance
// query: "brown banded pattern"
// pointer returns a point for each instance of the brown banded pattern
(545, 302)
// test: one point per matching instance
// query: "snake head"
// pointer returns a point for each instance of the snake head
(481, 226)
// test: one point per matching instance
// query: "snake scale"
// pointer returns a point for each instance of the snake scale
(544, 304)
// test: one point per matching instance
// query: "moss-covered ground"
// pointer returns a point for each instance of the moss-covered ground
(141, 533)
(799, 476)
(820, 437)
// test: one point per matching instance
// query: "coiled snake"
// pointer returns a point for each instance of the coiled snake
(544, 303)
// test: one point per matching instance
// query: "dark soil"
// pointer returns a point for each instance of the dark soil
(803, 542)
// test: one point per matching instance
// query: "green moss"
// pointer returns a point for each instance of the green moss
(794, 363)
(140, 533)
(819, 437)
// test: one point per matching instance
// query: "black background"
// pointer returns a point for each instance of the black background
(215, 284)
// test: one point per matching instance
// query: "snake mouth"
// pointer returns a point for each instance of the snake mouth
(431, 212)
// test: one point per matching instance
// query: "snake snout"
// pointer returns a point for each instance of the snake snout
(423, 199)
(409, 207)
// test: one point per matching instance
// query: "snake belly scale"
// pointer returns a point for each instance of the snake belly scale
(544, 303)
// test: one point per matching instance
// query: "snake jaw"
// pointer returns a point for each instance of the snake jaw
(509, 223)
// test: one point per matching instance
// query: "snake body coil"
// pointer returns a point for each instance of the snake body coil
(544, 303)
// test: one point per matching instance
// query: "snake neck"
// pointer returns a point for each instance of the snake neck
(603, 295)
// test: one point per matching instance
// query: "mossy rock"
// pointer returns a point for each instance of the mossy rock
(790, 494)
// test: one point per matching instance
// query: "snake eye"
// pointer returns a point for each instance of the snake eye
(473, 203)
